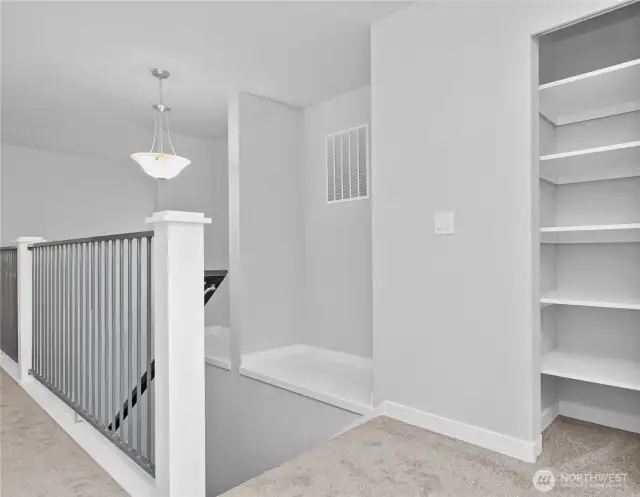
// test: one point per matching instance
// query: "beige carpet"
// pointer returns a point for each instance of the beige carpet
(37, 458)
(387, 458)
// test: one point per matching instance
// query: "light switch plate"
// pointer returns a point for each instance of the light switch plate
(443, 223)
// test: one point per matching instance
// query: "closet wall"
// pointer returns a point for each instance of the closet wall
(590, 220)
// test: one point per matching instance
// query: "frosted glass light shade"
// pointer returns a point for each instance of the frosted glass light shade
(161, 166)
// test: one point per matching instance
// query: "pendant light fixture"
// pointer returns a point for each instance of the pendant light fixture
(156, 163)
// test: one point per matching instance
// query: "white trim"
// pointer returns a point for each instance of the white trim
(271, 366)
(178, 217)
(612, 419)
(590, 115)
(218, 362)
(558, 298)
(594, 227)
(10, 366)
(589, 151)
(520, 449)
(591, 74)
(549, 415)
(133, 479)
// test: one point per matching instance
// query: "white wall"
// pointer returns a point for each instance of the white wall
(456, 322)
(337, 238)
(253, 427)
(265, 165)
(61, 195)
(204, 187)
(592, 45)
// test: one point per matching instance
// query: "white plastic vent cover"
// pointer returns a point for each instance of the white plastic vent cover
(348, 164)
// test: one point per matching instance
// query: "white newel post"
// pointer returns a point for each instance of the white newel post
(179, 385)
(25, 305)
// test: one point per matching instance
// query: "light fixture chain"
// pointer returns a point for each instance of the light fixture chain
(169, 135)
(155, 133)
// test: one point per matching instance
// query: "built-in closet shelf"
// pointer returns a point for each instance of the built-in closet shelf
(605, 92)
(594, 164)
(603, 233)
(335, 378)
(604, 371)
(561, 298)
(217, 346)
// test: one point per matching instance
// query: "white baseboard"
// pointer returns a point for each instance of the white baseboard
(604, 417)
(10, 366)
(549, 415)
(520, 449)
(133, 479)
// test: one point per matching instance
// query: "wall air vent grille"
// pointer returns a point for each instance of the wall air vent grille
(348, 165)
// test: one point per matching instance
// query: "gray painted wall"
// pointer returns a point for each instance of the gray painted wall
(265, 155)
(253, 427)
(60, 195)
(204, 187)
(337, 238)
(456, 322)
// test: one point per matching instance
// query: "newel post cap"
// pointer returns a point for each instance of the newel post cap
(178, 217)
(30, 239)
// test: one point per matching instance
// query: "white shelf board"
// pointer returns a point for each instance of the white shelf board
(603, 233)
(335, 378)
(590, 227)
(217, 346)
(561, 298)
(609, 91)
(604, 371)
(594, 164)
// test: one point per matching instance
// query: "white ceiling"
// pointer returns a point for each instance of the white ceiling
(87, 62)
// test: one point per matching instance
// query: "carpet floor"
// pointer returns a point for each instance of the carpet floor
(381, 458)
(387, 458)
(37, 457)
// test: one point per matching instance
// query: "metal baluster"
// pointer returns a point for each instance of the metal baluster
(72, 357)
(81, 327)
(114, 406)
(122, 343)
(65, 329)
(56, 360)
(85, 326)
(53, 314)
(60, 359)
(63, 317)
(107, 349)
(76, 339)
(47, 314)
(34, 314)
(96, 330)
(58, 319)
(130, 337)
(149, 331)
(38, 308)
(34, 311)
(139, 342)
(92, 386)
(34, 302)
(99, 334)
(52, 297)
